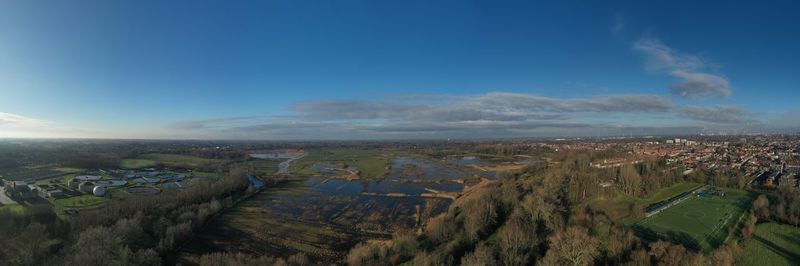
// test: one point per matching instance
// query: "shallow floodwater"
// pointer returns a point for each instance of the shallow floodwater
(328, 214)
(391, 203)
(431, 170)
(466, 160)
(349, 203)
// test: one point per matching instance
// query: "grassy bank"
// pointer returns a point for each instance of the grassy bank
(772, 244)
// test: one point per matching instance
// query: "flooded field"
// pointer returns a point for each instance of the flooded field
(326, 213)
(489, 167)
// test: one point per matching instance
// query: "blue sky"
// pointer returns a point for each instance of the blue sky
(396, 69)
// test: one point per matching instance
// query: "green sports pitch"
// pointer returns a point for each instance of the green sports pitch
(700, 222)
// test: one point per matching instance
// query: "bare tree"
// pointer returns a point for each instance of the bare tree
(481, 256)
(761, 207)
(516, 240)
(574, 246)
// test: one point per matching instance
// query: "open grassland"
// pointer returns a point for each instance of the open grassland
(372, 164)
(211, 175)
(27, 173)
(136, 163)
(619, 207)
(700, 223)
(152, 159)
(68, 170)
(13, 208)
(264, 166)
(674, 190)
(64, 180)
(772, 244)
(81, 201)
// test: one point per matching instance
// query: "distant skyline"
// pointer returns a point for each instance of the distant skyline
(284, 70)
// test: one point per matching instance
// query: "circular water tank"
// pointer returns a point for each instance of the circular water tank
(99, 191)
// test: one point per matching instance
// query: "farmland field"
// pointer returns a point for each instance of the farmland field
(149, 160)
(372, 164)
(700, 223)
(136, 163)
(264, 166)
(772, 244)
(26, 173)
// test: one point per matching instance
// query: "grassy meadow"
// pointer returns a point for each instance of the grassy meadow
(702, 223)
(372, 164)
(620, 205)
(772, 244)
(152, 159)
(82, 201)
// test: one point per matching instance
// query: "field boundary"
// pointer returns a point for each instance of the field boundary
(658, 207)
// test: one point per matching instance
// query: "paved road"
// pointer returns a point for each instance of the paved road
(5, 200)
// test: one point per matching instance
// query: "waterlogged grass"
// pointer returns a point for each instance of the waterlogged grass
(772, 244)
(372, 164)
(250, 227)
(264, 166)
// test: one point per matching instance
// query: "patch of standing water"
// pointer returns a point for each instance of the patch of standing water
(466, 160)
(430, 170)
(346, 203)
(289, 155)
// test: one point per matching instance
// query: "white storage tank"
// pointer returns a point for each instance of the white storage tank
(99, 191)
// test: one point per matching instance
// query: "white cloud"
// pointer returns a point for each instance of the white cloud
(497, 114)
(9, 120)
(694, 82)
(18, 126)
(724, 114)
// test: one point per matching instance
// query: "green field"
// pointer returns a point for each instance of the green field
(136, 163)
(373, 164)
(205, 174)
(674, 190)
(772, 244)
(264, 166)
(619, 207)
(149, 160)
(700, 223)
(14, 208)
(82, 201)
